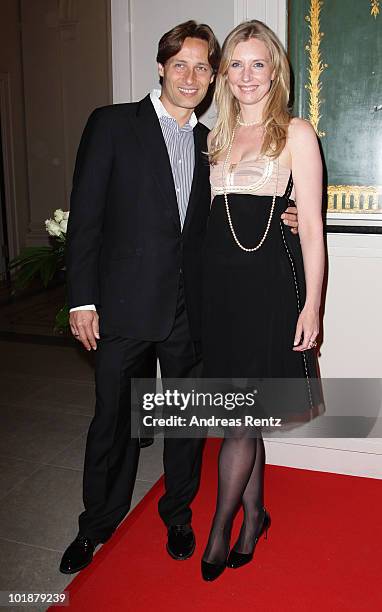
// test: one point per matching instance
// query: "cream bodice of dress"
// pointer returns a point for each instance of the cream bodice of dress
(253, 176)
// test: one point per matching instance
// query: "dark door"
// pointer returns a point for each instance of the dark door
(4, 273)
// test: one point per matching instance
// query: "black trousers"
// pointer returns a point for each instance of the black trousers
(111, 457)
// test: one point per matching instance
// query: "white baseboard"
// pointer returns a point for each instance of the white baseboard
(351, 457)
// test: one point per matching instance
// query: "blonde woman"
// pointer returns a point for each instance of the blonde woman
(262, 285)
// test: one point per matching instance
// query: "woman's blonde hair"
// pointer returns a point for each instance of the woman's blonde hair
(276, 115)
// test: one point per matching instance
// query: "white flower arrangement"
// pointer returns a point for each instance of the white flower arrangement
(57, 226)
(45, 262)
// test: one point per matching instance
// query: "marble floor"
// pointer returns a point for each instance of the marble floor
(46, 404)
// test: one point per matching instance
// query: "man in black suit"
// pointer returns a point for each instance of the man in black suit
(139, 209)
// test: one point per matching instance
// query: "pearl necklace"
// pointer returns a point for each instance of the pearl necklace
(247, 123)
(248, 250)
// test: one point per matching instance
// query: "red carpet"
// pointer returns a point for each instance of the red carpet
(323, 552)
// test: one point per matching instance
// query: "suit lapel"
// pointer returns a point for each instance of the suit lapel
(200, 159)
(150, 135)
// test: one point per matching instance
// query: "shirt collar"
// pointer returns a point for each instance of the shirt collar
(162, 112)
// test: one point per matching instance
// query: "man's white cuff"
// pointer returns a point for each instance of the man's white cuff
(87, 307)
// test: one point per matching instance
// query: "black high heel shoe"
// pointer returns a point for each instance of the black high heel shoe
(237, 559)
(211, 571)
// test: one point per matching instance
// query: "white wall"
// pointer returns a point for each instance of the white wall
(352, 331)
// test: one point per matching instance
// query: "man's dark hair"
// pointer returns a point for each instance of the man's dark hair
(171, 43)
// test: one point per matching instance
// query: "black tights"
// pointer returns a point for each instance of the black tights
(241, 482)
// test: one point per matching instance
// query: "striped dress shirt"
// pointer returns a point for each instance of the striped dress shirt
(181, 151)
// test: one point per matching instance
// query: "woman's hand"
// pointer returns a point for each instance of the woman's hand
(308, 326)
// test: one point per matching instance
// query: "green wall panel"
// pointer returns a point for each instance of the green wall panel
(341, 56)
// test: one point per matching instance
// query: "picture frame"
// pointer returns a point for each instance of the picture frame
(336, 58)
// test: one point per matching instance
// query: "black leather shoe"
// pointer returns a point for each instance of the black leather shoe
(180, 542)
(211, 571)
(78, 555)
(237, 559)
(144, 442)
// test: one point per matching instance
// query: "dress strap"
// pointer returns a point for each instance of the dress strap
(289, 187)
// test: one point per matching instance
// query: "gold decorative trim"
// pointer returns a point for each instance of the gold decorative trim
(355, 198)
(316, 65)
(374, 9)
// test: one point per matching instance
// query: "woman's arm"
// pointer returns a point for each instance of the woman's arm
(307, 176)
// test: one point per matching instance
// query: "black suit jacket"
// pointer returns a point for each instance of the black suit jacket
(125, 248)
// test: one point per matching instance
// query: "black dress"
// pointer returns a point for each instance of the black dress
(251, 303)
